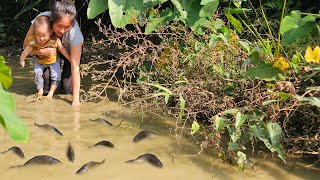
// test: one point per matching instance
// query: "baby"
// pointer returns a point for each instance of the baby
(44, 38)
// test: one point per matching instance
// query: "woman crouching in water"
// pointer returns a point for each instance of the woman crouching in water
(65, 26)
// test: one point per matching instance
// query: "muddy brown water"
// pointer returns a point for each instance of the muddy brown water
(77, 128)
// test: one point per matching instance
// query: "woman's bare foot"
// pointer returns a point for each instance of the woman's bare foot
(50, 95)
(76, 103)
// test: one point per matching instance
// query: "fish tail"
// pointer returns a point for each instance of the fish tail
(17, 166)
(4, 152)
(131, 161)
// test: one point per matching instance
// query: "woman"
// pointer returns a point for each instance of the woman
(65, 26)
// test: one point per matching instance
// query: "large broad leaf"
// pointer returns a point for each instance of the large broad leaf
(152, 3)
(240, 119)
(294, 28)
(210, 6)
(274, 131)
(155, 22)
(5, 74)
(235, 23)
(177, 4)
(315, 101)
(234, 133)
(123, 12)
(219, 122)
(116, 11)
(234, 146)
(96, 7)
(262, 70)
(241, 158)
(262, 133)
(16, 129)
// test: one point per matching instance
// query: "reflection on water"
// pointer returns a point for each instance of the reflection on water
(77, 128)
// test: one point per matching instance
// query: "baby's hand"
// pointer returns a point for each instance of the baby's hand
(22, 63)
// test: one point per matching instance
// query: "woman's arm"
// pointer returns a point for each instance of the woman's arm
(62, 49)
(42, 52)
(75, 56)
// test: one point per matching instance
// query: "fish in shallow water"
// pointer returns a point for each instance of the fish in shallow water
(102, 121)
(150, 158)
(16, 150)
(88, 166)
(143, 134)
(49, 128)
(40, 160)
(104, 143)
(70, 153)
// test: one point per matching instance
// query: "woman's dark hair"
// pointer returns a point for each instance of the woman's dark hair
(61, 8)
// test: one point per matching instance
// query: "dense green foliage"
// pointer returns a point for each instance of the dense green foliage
(15, 127)
(234, 48)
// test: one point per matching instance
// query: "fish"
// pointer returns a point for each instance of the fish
(104, 143)
(88, 166)
(102, 121)
(150, 158)
(40, 160)
(142, 135)
(16, 150)
(70, 153)
(50, 128)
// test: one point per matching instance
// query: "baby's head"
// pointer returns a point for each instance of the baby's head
(42, 29)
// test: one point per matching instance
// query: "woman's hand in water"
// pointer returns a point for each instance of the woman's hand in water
(46, 52)
(22, 63)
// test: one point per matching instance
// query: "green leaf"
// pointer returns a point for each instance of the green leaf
(315, 101)
(256, 115)
(152, 3)
(265, 103)
(166, 98)
(5, 74)
(116, 8)
(123, 12)
(284, 95)
(219, 122)
(16, 129)
(156, 85)
(96, 7)
(241, 158)
(154, 22)
(233, 146)
(234, 133)
(209, 8)
(195, 127)
(182, 106)
(259, 131)
(179, 7)
(230, 111)
(266, 72)
(294, 28)
(262, 70)
(245, 45)
(235, 23)
(240, 119)
(274, 131)
(245, 135)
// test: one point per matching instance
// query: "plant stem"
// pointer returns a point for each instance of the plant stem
(279, 34)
